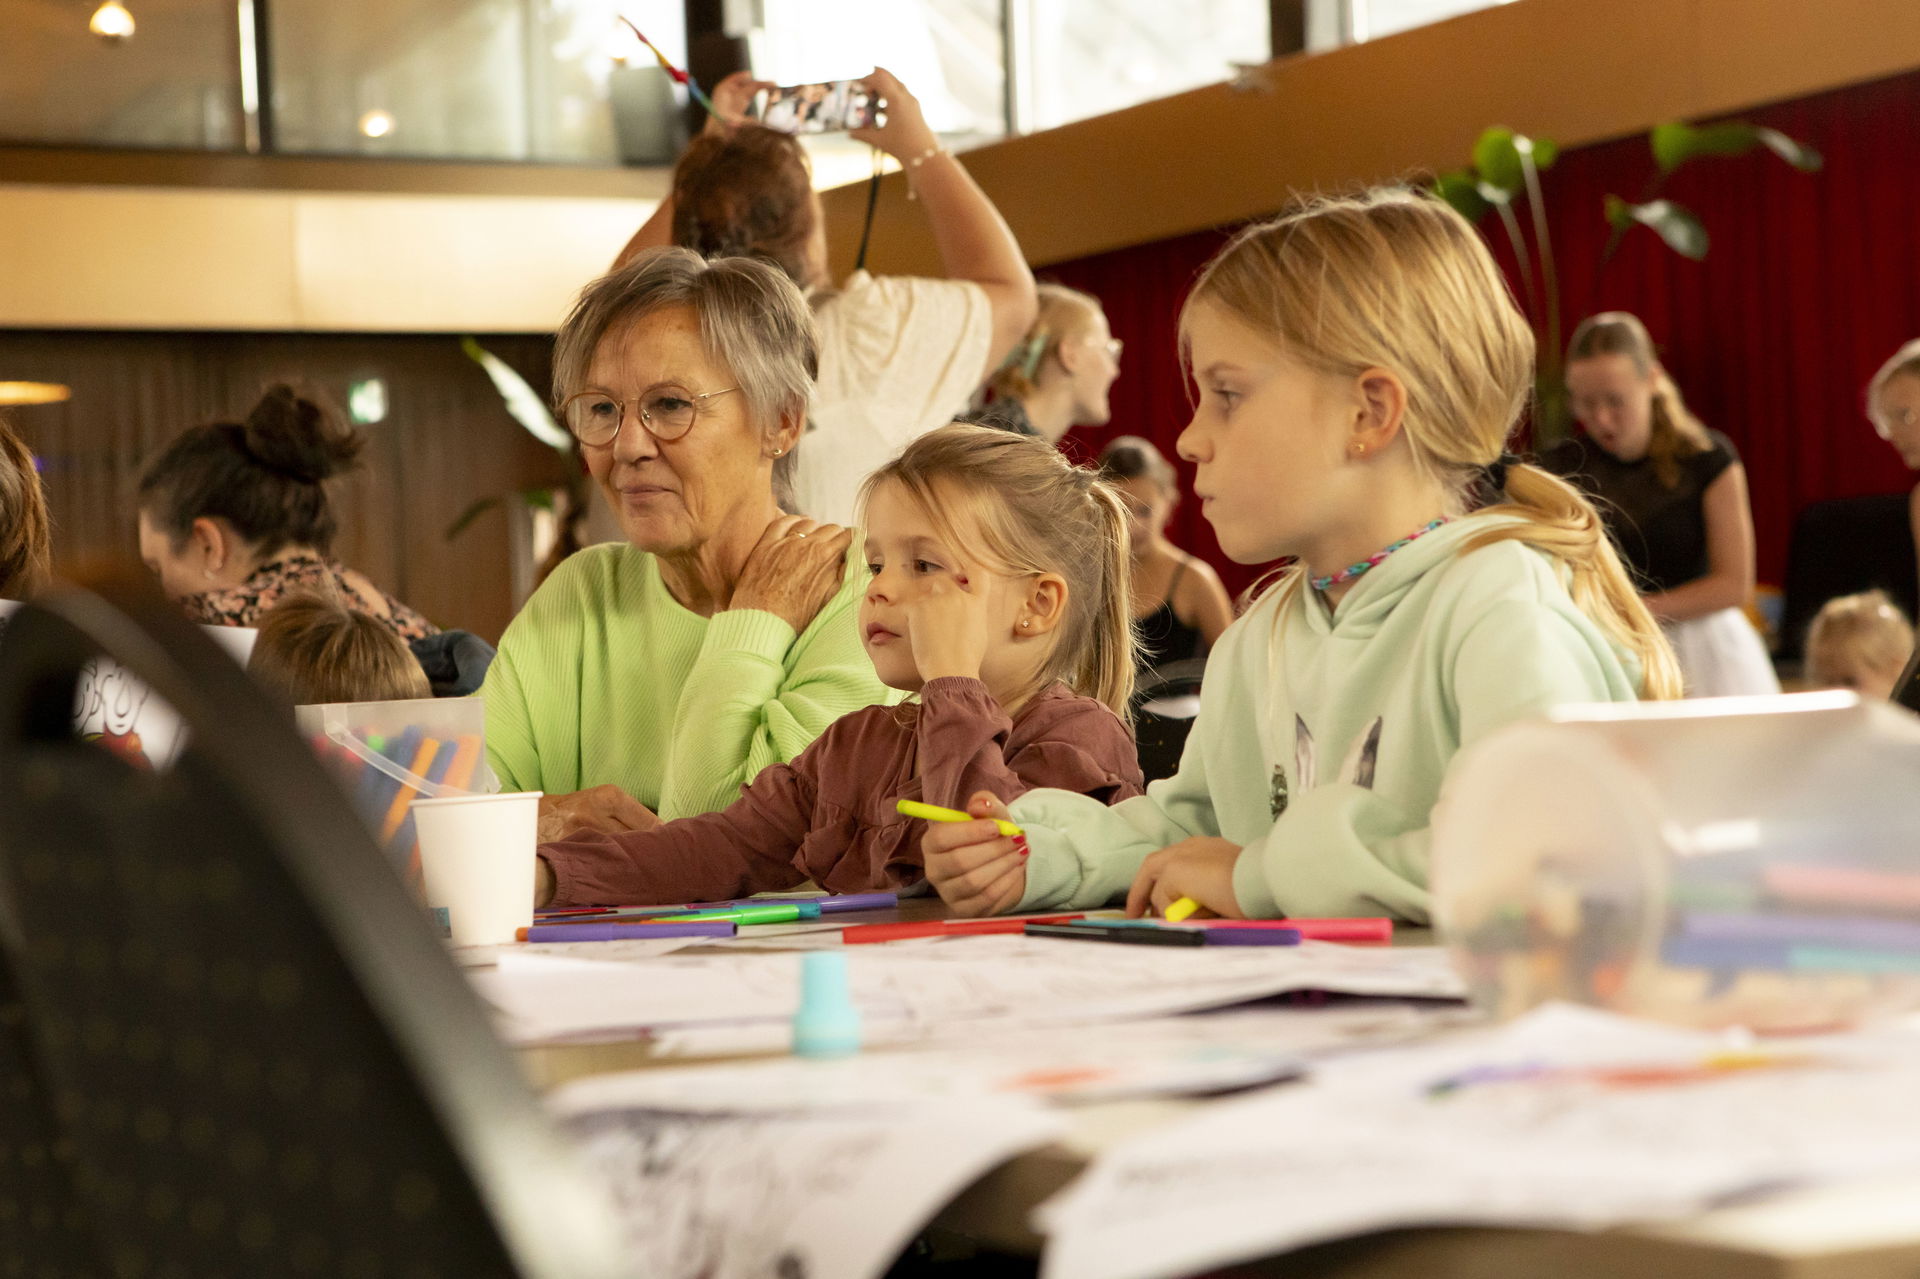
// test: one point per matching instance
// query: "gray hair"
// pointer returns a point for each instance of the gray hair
(753, 319)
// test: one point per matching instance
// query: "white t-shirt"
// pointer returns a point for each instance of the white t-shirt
(899, 356)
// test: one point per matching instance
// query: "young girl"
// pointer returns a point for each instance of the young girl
(313, 649)
(999, 595)
(1674, 497)
(1859, 642)
(1360, 364)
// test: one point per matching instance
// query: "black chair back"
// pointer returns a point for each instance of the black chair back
(1842, 546)
(263, 1061)
(1159, 735)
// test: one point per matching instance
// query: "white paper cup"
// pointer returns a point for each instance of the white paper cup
(476, 855)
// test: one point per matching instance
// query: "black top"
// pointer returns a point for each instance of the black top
(1163, 636)
(1661, 532)
(1006, 413)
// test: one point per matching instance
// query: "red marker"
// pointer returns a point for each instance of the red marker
(859, 933)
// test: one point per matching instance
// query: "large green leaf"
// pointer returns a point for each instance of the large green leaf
(1676, 143)
(521, 400)
(1461, 191)
(1497, 158)
(1672, 222)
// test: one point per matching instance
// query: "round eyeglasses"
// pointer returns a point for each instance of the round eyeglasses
(667, 412)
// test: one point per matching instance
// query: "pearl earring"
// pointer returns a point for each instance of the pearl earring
(1024, 624)
(778, 452)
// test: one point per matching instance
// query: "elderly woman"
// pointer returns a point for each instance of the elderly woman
(658, 676)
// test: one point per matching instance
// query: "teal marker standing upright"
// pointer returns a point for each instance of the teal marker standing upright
(828, 1023)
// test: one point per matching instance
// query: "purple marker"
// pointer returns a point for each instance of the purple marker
(1253, 936)
(858, 901)
(626, 932)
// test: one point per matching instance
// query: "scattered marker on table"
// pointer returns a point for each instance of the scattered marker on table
(828, 1022)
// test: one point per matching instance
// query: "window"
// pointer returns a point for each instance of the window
(1371, 19)
(480, 80)
(175, 83)
(1087, 57)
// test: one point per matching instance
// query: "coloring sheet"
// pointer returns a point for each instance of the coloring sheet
(825, 1195)
(1200, 1053)
(919, 990)
(123, 714)
(1566, 1117)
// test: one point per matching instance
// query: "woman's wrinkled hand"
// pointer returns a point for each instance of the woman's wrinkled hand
(793, 570)
(598, 808)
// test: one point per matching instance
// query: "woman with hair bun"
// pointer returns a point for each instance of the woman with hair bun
(234, 516)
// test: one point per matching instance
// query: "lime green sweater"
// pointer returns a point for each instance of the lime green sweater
(1323, 738)
(605, 677)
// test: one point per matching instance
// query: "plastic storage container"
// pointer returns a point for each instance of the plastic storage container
(389, 754)
(1735, 862)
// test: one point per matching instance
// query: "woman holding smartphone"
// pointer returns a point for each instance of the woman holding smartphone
(899, 355)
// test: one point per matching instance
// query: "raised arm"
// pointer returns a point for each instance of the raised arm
(973, 240)
(731, 97)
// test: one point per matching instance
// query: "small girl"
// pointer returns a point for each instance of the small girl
(1859, 642)
(999, 595)
(1360, 364)
(313, 649)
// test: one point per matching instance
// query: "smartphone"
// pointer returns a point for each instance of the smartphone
(832, 107)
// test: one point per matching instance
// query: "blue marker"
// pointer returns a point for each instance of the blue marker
(828, 1023)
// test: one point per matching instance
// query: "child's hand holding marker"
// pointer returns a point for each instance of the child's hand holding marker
(1197, 870)
(976, 860)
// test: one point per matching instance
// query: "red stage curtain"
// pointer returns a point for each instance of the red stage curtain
(1811, 282)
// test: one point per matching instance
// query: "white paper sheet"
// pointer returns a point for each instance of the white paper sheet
(798, 1196)
(1368, 1147)
(913, 991)
(625, 951)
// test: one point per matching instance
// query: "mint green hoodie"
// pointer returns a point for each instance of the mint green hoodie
(1322, 753)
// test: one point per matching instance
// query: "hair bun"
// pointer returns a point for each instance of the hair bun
(298, 436)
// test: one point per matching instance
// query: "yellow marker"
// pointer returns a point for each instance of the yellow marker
(935, 813)
(1180, 910)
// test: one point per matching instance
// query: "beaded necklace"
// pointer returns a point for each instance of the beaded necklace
(1352, 571)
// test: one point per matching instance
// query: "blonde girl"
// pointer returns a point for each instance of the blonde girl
(998, 595)
(1674, 496)
(1861, 642)
(1359, 365)
(1058, 376)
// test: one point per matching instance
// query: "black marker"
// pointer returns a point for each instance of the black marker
(1129, 935)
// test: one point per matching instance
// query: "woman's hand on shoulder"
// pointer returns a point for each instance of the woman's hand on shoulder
(975, 869)
(607, 809)
(793, 570)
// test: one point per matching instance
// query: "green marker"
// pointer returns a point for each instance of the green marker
(772, 913)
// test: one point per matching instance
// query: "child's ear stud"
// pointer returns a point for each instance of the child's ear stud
(1024, 623)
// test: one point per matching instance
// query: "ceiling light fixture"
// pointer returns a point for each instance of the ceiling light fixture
(111, 22)
(377, 124)
(17, 393)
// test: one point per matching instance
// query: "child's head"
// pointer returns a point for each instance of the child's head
(1146, 483)
(1622, 395)
(24, 537)
(1069, 343)
(1048, 536)
(312, 650)
(1367, 349)
(1859, 642)
(1893, 403)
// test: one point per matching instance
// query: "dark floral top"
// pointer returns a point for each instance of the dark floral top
(302, 574)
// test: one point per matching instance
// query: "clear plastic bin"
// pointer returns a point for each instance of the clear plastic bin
(1735, 862)
(389, 754)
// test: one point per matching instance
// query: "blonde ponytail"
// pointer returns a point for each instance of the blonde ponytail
(1561, 522)
(1397, 280)
(1063, 313)
(1107, 662)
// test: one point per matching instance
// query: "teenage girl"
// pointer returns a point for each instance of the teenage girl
(1359, 364)
(999, 596)
(1674, 496)
(1180, 606)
